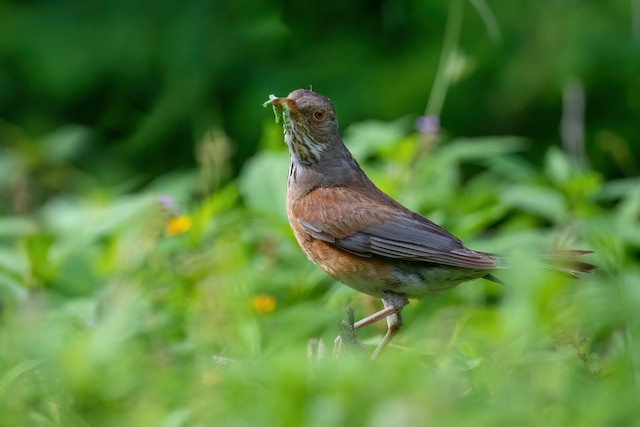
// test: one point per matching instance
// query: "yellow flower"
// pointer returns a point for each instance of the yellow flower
(178, 225)
(263, 303)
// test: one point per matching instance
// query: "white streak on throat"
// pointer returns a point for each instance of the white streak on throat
(301, 146)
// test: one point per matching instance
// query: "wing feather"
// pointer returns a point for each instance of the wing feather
(348, 221)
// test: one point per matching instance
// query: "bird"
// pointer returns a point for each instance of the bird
(361, 236)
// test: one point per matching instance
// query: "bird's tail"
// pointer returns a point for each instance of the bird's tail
(567, 261)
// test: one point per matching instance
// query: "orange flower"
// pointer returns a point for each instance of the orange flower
(263, 303)
(178, 225)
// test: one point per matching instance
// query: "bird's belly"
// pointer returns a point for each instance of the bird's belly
(421, 280)
(366, 275)
(375, 276)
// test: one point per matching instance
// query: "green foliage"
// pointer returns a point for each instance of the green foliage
(130, 295)
(109, 320)
(149, 79)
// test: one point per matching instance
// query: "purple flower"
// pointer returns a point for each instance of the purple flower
(167, 203)
(428, 124)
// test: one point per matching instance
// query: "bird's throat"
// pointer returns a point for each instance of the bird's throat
(302, 147)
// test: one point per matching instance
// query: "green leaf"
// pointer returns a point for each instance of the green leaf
(12, 226)
(515, 168)
(13, 374)
(369, 137)
(65, 143)
(14, 262)
(11, 289)
(557, 166)
(618, 189)
(482, 148)
(263, 183)
(38, 249)
(545, 202)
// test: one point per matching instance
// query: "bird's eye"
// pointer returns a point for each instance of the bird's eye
(319, 115)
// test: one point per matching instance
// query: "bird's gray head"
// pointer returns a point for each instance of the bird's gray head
(311, 127)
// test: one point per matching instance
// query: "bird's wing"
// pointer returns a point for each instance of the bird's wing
(359, 223)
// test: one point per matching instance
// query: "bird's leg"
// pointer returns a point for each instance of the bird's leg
(394, 304)
(378, 315)
(394, 322)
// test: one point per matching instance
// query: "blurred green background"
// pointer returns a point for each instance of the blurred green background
(148, 275)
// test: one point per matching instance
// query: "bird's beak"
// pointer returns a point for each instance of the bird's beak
(279, 103)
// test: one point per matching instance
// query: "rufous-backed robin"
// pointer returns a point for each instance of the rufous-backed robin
(358, 234)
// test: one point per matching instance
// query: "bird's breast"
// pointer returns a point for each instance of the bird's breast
(376, 275)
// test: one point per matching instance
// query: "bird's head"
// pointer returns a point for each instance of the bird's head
(310, 124)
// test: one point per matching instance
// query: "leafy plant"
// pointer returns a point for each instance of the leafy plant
(109, 316)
